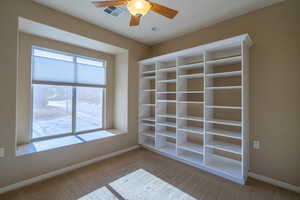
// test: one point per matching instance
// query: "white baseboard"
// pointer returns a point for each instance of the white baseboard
(275, 182)
(61, 171)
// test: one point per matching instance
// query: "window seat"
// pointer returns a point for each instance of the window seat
(65, 141)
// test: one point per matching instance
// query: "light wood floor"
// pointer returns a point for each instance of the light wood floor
(197, 183)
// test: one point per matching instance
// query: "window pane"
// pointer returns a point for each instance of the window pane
(89, 110)
(52, 110)
(90, 71)
(48, 66)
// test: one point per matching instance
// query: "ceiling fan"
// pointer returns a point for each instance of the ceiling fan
(139, 8)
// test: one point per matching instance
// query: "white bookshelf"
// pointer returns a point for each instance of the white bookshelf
(194, 106)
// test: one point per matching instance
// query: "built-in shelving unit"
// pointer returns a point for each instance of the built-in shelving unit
(194, 106)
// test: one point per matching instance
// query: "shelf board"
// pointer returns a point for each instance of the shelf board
(225, 122)
(192, 129)
(148, 90)
(167, 69)
(166, 101)
(194, 102)
(169, 134)
(169, 124)
(151, 119)
(225, 74)
(226, 165)
(148, 77)
(168, 148)
(192, 118)
(225, 146)
(192, 147)
(148, 72)
(226, 107)
(191, 66)
(148, 104)
(167, 81)
(148, 134)
(224, 88)
(199, 75)
(167, 115)
(191, 157)
(225, 61)
(190, 92)
(167, 92)
(224, 133)
(148, 124)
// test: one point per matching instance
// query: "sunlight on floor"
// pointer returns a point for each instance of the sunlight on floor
(139, 185)
(100, 194)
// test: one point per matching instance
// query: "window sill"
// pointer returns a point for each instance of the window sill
(65, 141)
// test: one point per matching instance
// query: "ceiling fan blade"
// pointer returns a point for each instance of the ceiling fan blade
(108, 3)
(135, 20)
(162, 10)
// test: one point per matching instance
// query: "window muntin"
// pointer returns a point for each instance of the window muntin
(68, 93)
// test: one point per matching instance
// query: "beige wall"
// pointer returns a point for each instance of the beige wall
(14, 169)
(274, 86)
(121, 111)
(275, 93)
(26, 41)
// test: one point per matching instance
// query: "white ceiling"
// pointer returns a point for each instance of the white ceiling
(193, 15)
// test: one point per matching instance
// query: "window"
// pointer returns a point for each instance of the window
(68, 93)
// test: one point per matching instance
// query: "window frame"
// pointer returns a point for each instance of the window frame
(74, 95)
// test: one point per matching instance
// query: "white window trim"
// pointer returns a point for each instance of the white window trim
(73, 85)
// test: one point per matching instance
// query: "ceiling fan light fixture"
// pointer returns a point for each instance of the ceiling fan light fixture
(138, 7)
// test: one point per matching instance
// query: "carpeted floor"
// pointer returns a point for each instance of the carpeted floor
(141, 174)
